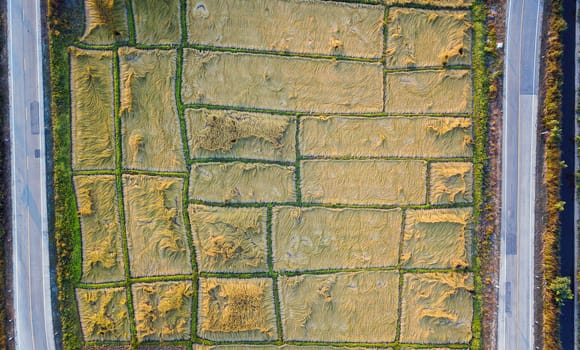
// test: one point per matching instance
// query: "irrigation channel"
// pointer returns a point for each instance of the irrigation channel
(567, 191)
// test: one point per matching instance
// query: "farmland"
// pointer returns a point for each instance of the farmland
(282, 174)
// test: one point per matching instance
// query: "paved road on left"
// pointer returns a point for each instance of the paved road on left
(31, 284)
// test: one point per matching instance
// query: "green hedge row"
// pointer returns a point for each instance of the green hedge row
(551, 115)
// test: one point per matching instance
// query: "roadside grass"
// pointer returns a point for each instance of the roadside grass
(551, 115)
(480, 161)
(4, 191)
(63, 30)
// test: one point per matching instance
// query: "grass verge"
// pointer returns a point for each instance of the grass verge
(5, 243)
(63, 19)
(550, 117)
(481, 107)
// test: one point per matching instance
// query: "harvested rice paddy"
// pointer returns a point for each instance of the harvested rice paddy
(279, 83)
(93, 139)
(106, 22)
(437, 308)
(237, 309)
(156, 235)
(419, 38)
(274, 174)
(104, 314)
(322, 238)
(234, 134)
(157, 21)
(414, 137)
(150, 124)
(347, 182)
(229, 239)
(315, 27)
(98, 210)
(163, 310)
(330, 307)
(428, 91)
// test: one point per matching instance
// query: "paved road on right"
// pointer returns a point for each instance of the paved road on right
(516, 287)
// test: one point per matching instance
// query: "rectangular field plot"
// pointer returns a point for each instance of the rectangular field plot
(157, 22)
(363, 182)
(320, 238)
(103, 313)
(93, 138)
(341, 307)
(229, 239)
(106, 22)
(232, 134)
(437, 238)
(98, 210)
(281, 83)
(451, 182)
(441, 91)
(163, 310)
(155, 231)
(150, 125)
(242, 182)
(316, 27)
(428, 137)
(437, 308)
(236, 309)
(419, 38)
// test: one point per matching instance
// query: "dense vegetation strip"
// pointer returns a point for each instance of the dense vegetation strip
(551, 114)
(480, 112)
(63, 20)
(4, 176)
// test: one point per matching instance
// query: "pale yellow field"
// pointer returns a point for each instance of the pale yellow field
(428, 137)
(429, 91)
(104, 314)
(317, 27)
(280, 83)
(451, 182)
(228, 134)
(150, 125)
(294, 174)
(157, 21)
(232, 309)
(155, 232)
(336, 182)
(330, 307)
(437, 238)
(98, 209)
(419, 38)
(320, 238)
(229, 239)
(437, 308)
(106, 22)
(93, 139)
(163, 310)
(242, 182)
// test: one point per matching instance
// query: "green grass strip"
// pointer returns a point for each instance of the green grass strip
(131, 23)
(63, 30)
(480, 116)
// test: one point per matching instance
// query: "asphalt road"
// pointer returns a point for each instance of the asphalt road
(31, 284)
(516, 288)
